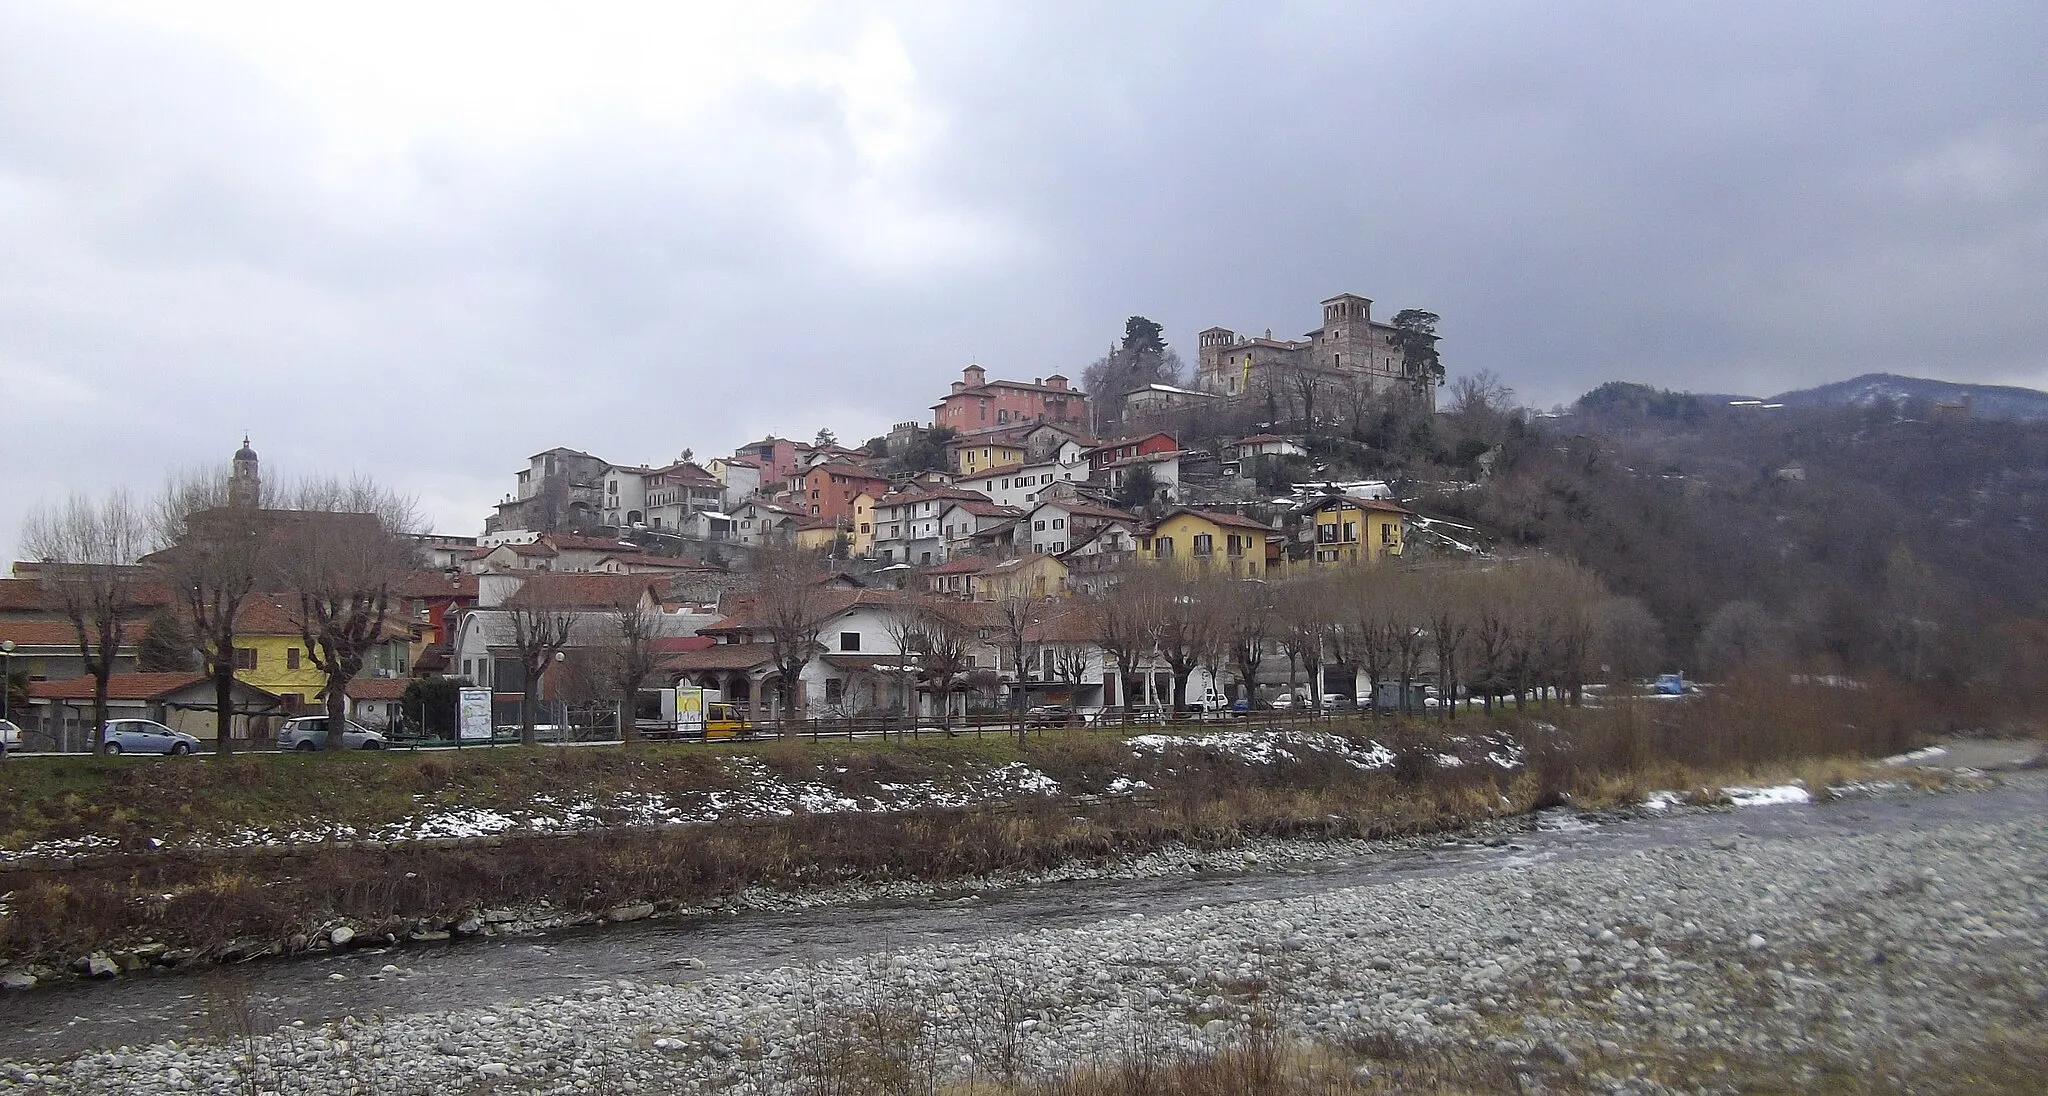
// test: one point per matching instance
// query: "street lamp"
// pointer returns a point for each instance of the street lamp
(6, 675)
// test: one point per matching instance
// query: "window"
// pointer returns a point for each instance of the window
(1059, 523)
(291, 658)
(849, 641)
(1162, 547)
(1350, 532)
(864, 527)
(835, 690)
(1235, 545)
(1204, 544)
(1059, 546)
(245, 658)
(1038, 526)
(1386, 534)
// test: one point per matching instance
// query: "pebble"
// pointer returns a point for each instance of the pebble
(1757, 949)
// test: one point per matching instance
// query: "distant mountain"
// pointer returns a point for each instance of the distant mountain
(1987, 401)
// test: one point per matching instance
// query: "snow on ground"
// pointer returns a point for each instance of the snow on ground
(1271, 748)
(1772, 796)
(761, 794)
(1925, 753)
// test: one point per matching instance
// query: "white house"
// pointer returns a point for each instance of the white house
(1019, 485)
(1056, 525)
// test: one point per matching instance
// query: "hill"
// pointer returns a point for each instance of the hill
(1998, 403)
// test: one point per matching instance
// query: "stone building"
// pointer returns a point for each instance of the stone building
(1349, 349)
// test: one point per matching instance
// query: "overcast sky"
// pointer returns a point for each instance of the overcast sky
(425, 241)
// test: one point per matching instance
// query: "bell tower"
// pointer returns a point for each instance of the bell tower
(245, 482)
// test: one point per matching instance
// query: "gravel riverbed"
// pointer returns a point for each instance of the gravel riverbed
(1891, 954)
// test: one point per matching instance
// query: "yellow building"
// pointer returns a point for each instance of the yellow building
(1035, 576)
(1201, 540)
(1339, 529)
(270, 652)
(973, 455)
(863, 524)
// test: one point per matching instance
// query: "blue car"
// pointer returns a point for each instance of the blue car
(121, 736)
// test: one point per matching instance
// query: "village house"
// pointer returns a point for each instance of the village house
(830, 489)
(1201, 540)
(1053, 526)
(1340, 529)
(59, 715)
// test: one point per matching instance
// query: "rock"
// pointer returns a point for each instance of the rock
(498, 916)
(17, 980)
(1756, 942)
(468, 926)
(97, 965)
(342, 936)
(638, 911)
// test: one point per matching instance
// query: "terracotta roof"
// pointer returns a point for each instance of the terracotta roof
(29, 595)
(119, 686)
(376, 688)
(742, 610)
(669, 645)
(430, 584)
(961, 565)
(277, 615)
(57, 633)
(1231, 520)
(584, 589)
(723, 656)
(1133, 439)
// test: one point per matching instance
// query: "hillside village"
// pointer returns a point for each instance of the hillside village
(1010, 511)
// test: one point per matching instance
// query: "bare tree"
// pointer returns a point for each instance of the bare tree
(1446, 597)
(626, 658)
(341, 551)
(1629, 639)
(905, 629)
(1127, 625)
(1017, 619)
(1245, 633)
(212, 555)
(541, 625)
(88, 550)
(944, 646)
(1304, 634)
(1190, 631)
(788, 598)
(1739, 633)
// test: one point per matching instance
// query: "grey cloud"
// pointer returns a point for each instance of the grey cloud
(1743, 198)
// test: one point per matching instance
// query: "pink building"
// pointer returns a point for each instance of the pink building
(777, 458)
(977, 403)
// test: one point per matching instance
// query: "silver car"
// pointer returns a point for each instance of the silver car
(121, 736)
(10, 736)
(309, 732)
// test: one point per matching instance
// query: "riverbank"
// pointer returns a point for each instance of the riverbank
(194, 862)
(1875, 945)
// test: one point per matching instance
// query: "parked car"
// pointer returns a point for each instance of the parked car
(1283, 702)
(1337, 700)
(1049, 715)
(10, 736)
(309, 732)
(121, 736)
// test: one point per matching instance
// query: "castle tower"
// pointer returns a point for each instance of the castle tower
(245, 482)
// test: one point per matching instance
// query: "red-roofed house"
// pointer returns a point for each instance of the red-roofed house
(60, 711)
(977, 403)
